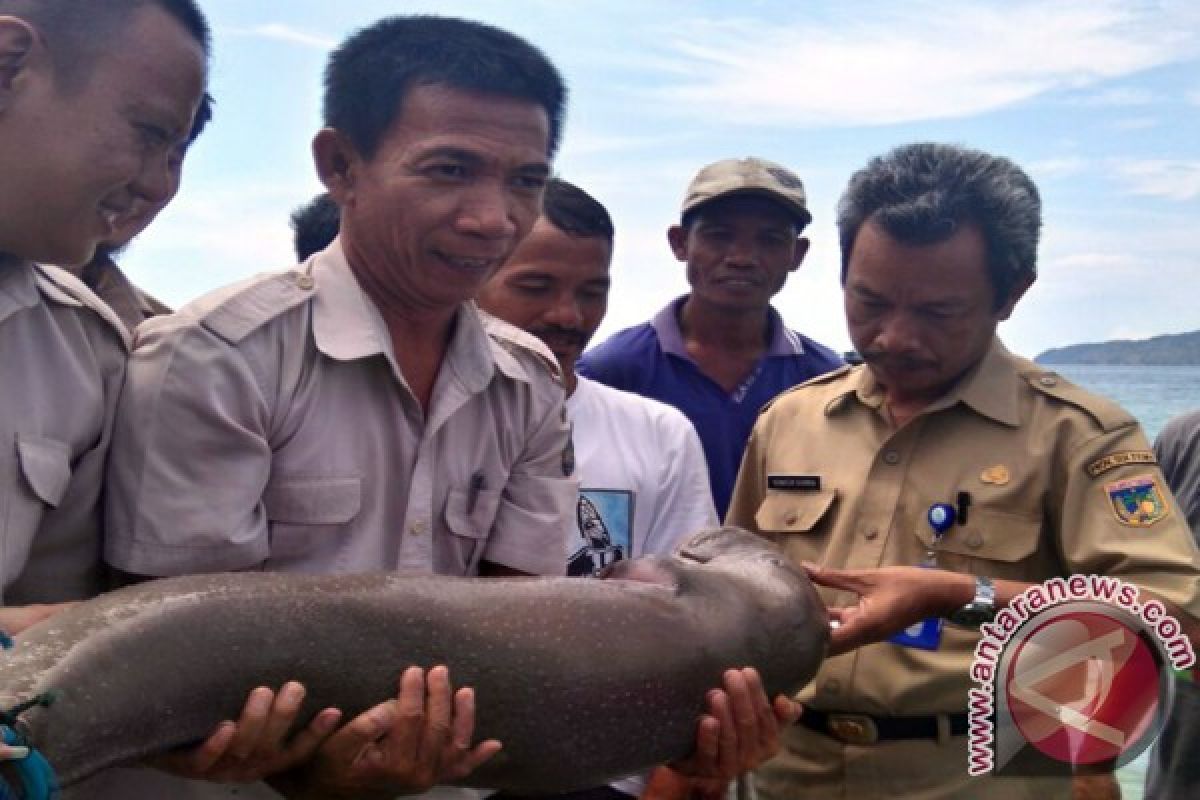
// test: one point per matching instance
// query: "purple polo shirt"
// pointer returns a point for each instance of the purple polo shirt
(651, 359)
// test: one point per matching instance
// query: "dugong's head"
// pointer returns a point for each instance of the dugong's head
(746, 584)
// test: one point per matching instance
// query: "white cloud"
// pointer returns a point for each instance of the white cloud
(1056, 167)
(1119, 96)
(922, 61)
(1172, 180)
(1135, 123)
(284, 33)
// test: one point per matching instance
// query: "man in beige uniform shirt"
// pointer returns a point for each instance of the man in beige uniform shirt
(358, 412)
(86, 125)
(938, 245)
(95, 98)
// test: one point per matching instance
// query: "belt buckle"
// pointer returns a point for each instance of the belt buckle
(853, 728)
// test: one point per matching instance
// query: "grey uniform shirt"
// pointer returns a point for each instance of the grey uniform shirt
(62, 358)
(268, 426)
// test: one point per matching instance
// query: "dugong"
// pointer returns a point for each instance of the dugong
(581, 680)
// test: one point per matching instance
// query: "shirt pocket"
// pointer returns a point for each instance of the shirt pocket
(469, 524)
(305, 513)
(45, 473)
(799, 522)
(993, 543)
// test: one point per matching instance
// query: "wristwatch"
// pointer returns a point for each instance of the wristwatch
(981, 609)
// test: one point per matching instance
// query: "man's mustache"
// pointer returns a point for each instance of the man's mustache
(896, 362)
(561, 334)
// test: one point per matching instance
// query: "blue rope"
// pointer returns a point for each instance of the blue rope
(36, 774)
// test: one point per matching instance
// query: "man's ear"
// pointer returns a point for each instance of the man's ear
(801, 252)
(337, 163)
(677, 237)
(17, 42)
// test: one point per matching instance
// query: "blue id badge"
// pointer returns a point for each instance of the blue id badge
(924, 635)
(927, 634)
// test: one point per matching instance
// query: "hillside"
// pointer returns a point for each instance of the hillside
(1179, 349)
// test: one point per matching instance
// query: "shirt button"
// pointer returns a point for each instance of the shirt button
(891, 457)
(832, 686)
(418, 527)
(305, 282)
(871, 535)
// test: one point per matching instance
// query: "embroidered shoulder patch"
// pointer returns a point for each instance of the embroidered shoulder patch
(1138, 502)
(1119, 459)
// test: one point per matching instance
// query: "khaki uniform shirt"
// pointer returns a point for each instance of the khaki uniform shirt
(110, 284)
(1031, 450)
(268, 426)
(62, 358)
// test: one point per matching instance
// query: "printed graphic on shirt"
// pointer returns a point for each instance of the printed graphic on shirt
(604, 525)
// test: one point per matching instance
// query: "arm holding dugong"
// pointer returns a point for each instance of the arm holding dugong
(258, 744)
(739, 733)
(407, 745)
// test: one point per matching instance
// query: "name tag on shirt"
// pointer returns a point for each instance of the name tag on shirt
(794, 483)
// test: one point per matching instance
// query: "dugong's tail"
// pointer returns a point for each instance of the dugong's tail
(24, 774)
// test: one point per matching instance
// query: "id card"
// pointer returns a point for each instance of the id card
(923, 635)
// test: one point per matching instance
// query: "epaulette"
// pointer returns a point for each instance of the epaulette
(823, 378)
(64, 288)
(254, 303)
(515, 341)
(1107, 414)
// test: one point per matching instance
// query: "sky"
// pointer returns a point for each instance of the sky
(1098, 100)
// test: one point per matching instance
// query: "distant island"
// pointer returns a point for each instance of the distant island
(1177, 349)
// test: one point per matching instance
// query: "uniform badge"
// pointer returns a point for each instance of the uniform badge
(997, 475)
(1138, 502)
(1119, 459)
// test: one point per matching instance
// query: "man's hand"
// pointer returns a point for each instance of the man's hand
(739, 733)
(14, 619)
(890, 600)
(257, 745)
(420, 739)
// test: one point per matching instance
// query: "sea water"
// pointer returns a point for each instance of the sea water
(1153, 395)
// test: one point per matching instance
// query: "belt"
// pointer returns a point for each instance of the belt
(869, 729)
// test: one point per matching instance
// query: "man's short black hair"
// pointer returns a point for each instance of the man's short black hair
(924, 193)
(76, 31)
(315, 225)
(574, 211)
(371, 73)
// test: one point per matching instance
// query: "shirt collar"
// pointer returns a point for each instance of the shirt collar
(990, 388)
(347, 326)
(781, 340)
(18, 287)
